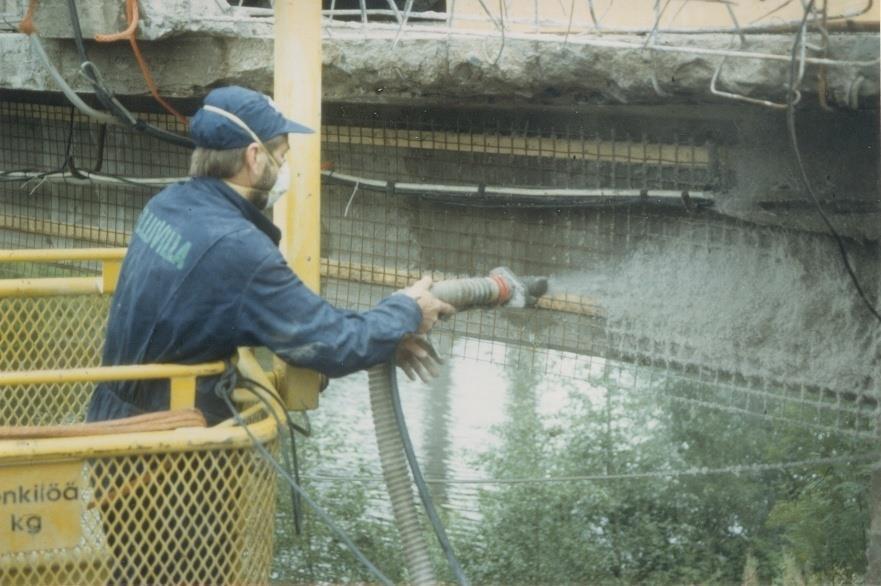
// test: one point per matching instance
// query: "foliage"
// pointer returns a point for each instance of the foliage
(789, 526)
(751, 527)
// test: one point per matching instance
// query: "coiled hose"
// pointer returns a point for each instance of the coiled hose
(394, 444)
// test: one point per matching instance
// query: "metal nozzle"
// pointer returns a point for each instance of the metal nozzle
(525, 291)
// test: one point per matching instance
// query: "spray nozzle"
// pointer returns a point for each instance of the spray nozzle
(522, 291)
(501, 287)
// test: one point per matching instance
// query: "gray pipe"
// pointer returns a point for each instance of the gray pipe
(101, 117)
(460, 293)
(397, 479)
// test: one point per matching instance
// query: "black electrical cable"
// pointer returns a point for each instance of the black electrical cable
(106, 97)
(293, 429)
(40, 174)
(99, 156)
(304, 431)
(341, 534)
(793, 137)
(68, 145)
(419, 480)
(126, 180)
(293, 461)
(76, 174)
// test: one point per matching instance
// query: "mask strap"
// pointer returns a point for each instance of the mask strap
(241, 123)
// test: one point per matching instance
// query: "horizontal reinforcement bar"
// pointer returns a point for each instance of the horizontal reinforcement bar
(110, 373)
(43, 227)
(344, 31)
(511, 194)
(582, 148)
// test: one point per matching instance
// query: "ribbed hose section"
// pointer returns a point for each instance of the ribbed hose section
(397, 478)
(461, 294)
(465, 293)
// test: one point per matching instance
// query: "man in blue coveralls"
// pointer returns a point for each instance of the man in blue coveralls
(203, 274)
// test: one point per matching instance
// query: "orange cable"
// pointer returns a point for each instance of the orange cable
(131, 12)
(26, 26)
(128, 33)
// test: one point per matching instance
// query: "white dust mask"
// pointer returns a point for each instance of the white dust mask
(281, 186)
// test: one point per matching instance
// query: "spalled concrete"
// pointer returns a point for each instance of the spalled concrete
(226, 45)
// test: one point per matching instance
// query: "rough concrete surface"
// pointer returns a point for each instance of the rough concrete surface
(358, 65)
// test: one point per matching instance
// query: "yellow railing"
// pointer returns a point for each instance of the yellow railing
(189, 505)
(182, 377)
(111, 262)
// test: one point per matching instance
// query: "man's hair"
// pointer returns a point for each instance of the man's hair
(223, 164)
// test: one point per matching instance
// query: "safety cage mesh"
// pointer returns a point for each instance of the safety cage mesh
(40, 333)
(171, 518)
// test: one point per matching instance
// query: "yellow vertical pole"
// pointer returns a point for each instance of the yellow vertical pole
(110, 275)
(183, 392)
(298, 94)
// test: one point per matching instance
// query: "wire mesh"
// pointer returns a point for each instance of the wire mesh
(41, 333)
(627, 279)
(170, 518)
(564, 18)
(650, 296)
(374, 238)
(40, 213)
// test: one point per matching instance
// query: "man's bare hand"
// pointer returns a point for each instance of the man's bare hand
(432, 307)
(417, 357)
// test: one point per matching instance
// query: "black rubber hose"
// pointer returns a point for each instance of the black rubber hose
(803, 175)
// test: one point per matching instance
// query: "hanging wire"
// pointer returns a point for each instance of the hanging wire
(795, 75)
(292, 482)
(695, 471)
(424, 494)
(90, 71)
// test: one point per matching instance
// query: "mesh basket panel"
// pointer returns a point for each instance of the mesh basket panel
(190, 517)
(50, 333)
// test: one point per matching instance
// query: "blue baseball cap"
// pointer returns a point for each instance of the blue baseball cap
(214, 131)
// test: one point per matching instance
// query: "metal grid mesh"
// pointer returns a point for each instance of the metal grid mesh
(164, 518)
(600, 256)
(374, 240)
(50, 333)
(618, 317)
(742, 382)
(40, 213)
(489, 150)
(173, 518)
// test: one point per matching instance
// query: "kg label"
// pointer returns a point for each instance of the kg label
(41, 506)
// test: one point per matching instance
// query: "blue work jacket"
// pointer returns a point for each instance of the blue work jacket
(202, 276)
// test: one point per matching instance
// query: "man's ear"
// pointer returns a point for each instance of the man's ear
(251, 158)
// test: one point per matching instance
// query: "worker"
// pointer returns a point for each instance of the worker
(203, 274)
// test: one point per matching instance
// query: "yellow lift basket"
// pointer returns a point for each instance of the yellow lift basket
(191, 505)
